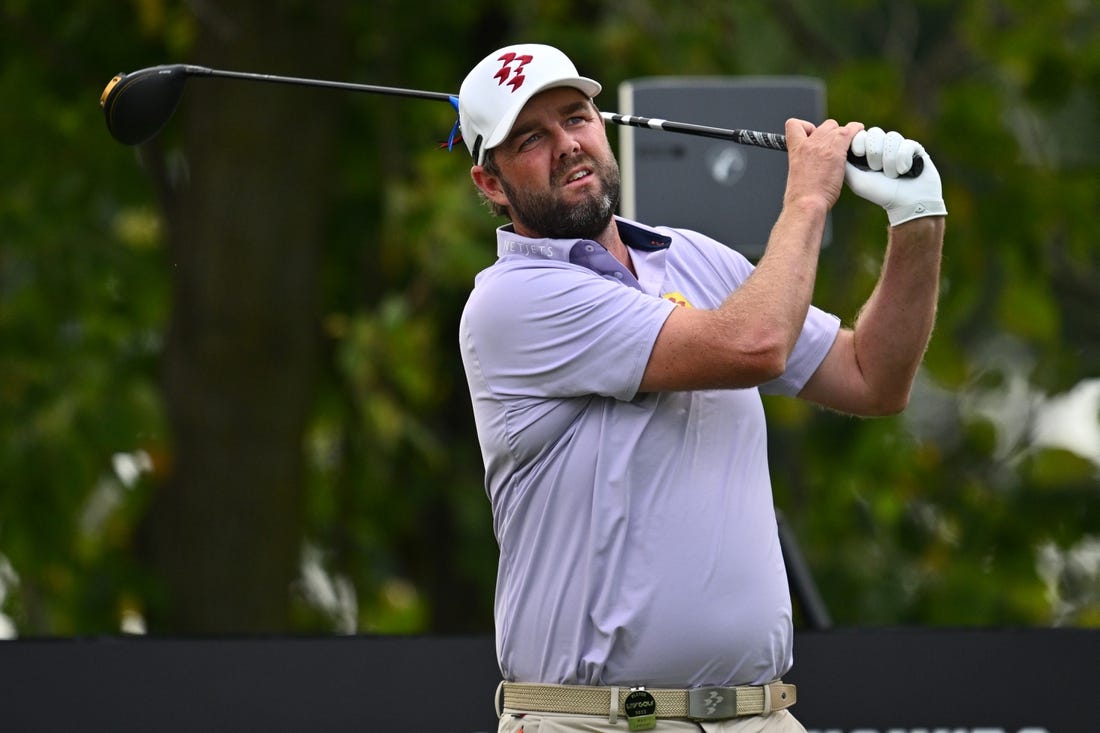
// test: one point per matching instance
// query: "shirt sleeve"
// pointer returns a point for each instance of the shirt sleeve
(560, 330)
(817, 337)
(818, 332)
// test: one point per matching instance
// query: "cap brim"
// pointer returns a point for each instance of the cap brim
(586, 86)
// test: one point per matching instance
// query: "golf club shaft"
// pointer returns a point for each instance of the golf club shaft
(744, 137)
(346, 86)
(152, 95)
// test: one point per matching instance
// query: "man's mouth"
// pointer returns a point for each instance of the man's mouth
(578, 175)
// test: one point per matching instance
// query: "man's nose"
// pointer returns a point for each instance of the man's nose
(565, 143)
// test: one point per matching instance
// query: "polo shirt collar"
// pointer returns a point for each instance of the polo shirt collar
(634, 235)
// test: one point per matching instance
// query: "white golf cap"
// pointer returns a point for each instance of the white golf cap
(495, 91)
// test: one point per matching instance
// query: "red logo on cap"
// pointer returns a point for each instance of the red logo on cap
(511, 70)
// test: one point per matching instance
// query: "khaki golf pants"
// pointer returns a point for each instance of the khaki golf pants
(778, 722)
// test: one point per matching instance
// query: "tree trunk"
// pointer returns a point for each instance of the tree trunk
(246, 221)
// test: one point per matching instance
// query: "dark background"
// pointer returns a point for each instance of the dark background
(1042, 681)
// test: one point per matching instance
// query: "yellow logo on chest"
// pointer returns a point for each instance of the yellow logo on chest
(678, 298)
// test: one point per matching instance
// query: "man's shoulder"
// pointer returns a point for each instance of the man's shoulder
(508, 268)
(517, 279)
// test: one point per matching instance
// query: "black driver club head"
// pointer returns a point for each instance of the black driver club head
(138, 105)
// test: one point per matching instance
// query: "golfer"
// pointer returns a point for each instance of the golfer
(615, 369)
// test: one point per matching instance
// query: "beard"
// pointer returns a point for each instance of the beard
(546, 213)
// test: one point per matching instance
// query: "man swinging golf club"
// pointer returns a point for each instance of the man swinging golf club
(615, 370)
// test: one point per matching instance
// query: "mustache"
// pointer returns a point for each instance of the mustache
(558, 175)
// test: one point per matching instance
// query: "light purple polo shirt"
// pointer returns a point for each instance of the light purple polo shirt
(638, 541)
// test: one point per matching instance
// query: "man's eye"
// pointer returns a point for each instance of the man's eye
(529, 141)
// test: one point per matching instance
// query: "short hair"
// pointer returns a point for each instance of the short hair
(491, 167)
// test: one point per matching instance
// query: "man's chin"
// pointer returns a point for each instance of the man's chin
(586, 218)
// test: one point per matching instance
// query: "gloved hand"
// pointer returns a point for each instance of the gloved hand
(889, 155)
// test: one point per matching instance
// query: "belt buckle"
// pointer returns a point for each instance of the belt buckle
(712, 703)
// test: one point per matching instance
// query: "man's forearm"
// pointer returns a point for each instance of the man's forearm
(894, 326)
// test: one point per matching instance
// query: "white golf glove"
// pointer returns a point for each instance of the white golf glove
(889, 157)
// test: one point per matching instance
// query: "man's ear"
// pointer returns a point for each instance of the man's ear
(489, 185)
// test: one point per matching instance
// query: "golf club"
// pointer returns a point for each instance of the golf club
(137, 105)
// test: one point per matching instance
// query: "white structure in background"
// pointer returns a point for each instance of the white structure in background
(1071, 421)
(1028, 420)
(8, 579)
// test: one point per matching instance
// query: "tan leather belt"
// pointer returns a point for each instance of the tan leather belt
(700, 703)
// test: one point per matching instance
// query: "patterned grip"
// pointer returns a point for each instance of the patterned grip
(761, 139)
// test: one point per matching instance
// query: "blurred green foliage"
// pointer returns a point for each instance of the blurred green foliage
(979, 506)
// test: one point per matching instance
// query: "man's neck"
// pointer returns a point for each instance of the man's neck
(613, 243)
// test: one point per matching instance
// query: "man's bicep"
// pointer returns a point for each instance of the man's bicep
(838, 382)
(704, 349)
(670, 360)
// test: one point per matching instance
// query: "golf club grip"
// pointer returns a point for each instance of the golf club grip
(770, 140)
(914, 170)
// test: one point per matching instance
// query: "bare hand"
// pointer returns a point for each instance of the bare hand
(816, 156)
